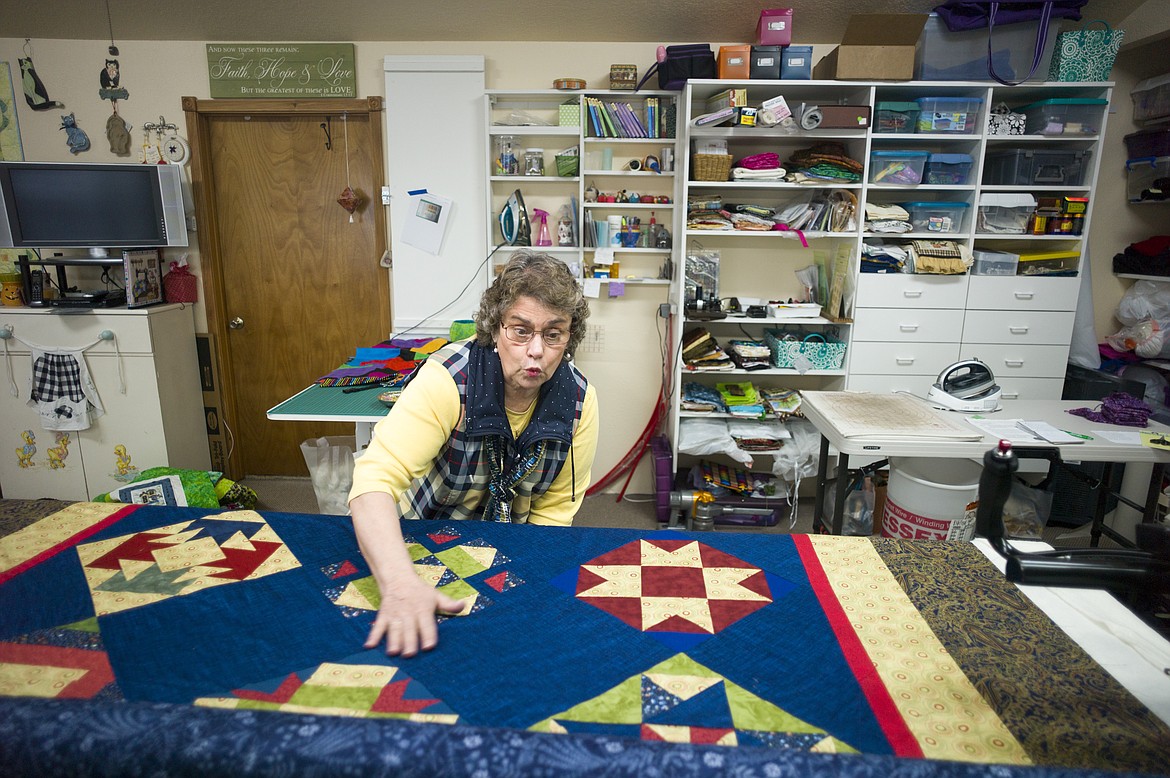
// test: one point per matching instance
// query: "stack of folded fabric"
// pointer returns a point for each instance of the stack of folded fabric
(782, 403)
(1149, 257)
(890, 218)
(827, 161)
(697, 397)
(945, 257)
(743, 399)
(701, 352)
(879, 258)
(750, 354)
(758, 436)
(759, 167)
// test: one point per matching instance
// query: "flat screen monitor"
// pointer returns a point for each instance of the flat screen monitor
(90, 205)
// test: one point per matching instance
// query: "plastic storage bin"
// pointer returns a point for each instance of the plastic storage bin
(1005, 213)
(1027, 167)
(943, 55)
(994, 263)
(897, 167)
(936, 216)
(1049, 263)
(949, 169)
(1064, 116)
(896, 117)
(1148, 143)
(1147, 180)
(948, 114)
(1151, 98)
(796, 63)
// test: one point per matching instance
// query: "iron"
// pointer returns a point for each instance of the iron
(967, 386)
(514, 224)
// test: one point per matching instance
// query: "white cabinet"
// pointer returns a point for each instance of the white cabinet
(903, 330)
(147, 379)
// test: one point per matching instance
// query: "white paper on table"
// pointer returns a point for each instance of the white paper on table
(1004, 429)
(1125, 437)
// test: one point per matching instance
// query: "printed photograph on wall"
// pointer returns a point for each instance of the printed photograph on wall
(10, 148)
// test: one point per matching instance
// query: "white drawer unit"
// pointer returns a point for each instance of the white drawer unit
(147, 379)
(904, 358)
(1029, 361)
(1034, 293)
(917, 385)
(1014, 387)
(903, 290)
(908, 324)
(1014, 326)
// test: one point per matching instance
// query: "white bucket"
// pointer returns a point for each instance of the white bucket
(927, 499)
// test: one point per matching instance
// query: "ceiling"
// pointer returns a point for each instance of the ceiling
(663, 21)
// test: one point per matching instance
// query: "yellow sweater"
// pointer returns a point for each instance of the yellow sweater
(406, 442)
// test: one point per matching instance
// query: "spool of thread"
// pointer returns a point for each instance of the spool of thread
(461, 329)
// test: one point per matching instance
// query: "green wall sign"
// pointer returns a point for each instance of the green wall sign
(281, 70)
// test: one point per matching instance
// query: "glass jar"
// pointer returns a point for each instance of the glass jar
(534, 162)
(506, 162)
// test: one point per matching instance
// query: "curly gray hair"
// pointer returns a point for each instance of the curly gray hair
(541, 277)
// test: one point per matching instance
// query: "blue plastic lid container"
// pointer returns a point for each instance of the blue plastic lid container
(950, 159)
(935, 204)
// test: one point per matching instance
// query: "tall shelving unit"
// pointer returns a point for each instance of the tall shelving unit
(505, 110)
(901, 330)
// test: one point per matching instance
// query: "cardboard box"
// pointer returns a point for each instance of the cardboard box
(728, 98)
(876, 47)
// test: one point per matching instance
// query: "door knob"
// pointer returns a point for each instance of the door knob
(236, 323)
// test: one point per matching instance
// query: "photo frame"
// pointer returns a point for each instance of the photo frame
(143, 277)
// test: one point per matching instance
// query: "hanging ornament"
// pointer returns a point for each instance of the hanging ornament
(349, 200)
(75, 136)
(110, 77)
(118, 133)
(34, 91)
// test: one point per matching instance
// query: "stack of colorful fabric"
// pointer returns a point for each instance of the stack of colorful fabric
(386, 361)
(825, 162)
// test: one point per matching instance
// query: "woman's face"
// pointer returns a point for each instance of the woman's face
(528, 365)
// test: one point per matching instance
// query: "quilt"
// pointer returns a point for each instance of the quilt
(804, 644)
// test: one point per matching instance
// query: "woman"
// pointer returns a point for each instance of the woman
(500, 427)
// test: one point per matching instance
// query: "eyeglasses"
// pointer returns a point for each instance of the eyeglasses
(552, 337)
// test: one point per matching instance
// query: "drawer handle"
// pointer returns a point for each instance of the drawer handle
(908, 327)
(1018, 330)
(912, 293)
(904, 360)
(1010, 395)
(1025, 295)
(1014, 362)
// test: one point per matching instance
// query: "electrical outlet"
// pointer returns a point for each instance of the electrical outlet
(594, 340)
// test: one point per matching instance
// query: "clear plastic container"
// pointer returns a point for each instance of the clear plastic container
(897, 117)
(1005, 213)
(994, 263)
(1148, 143)
(1064, 116)
(1145, 179)
(948, 114)
(936, 216)
(1027, 167)
(1049, 263)
(948, 169)
(534, 162)
(897, 167)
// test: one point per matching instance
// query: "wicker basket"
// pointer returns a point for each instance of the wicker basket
(711, 167)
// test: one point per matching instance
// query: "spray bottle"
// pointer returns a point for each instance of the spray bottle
(543, 238)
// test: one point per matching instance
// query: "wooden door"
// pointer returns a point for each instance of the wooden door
(296, 285)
